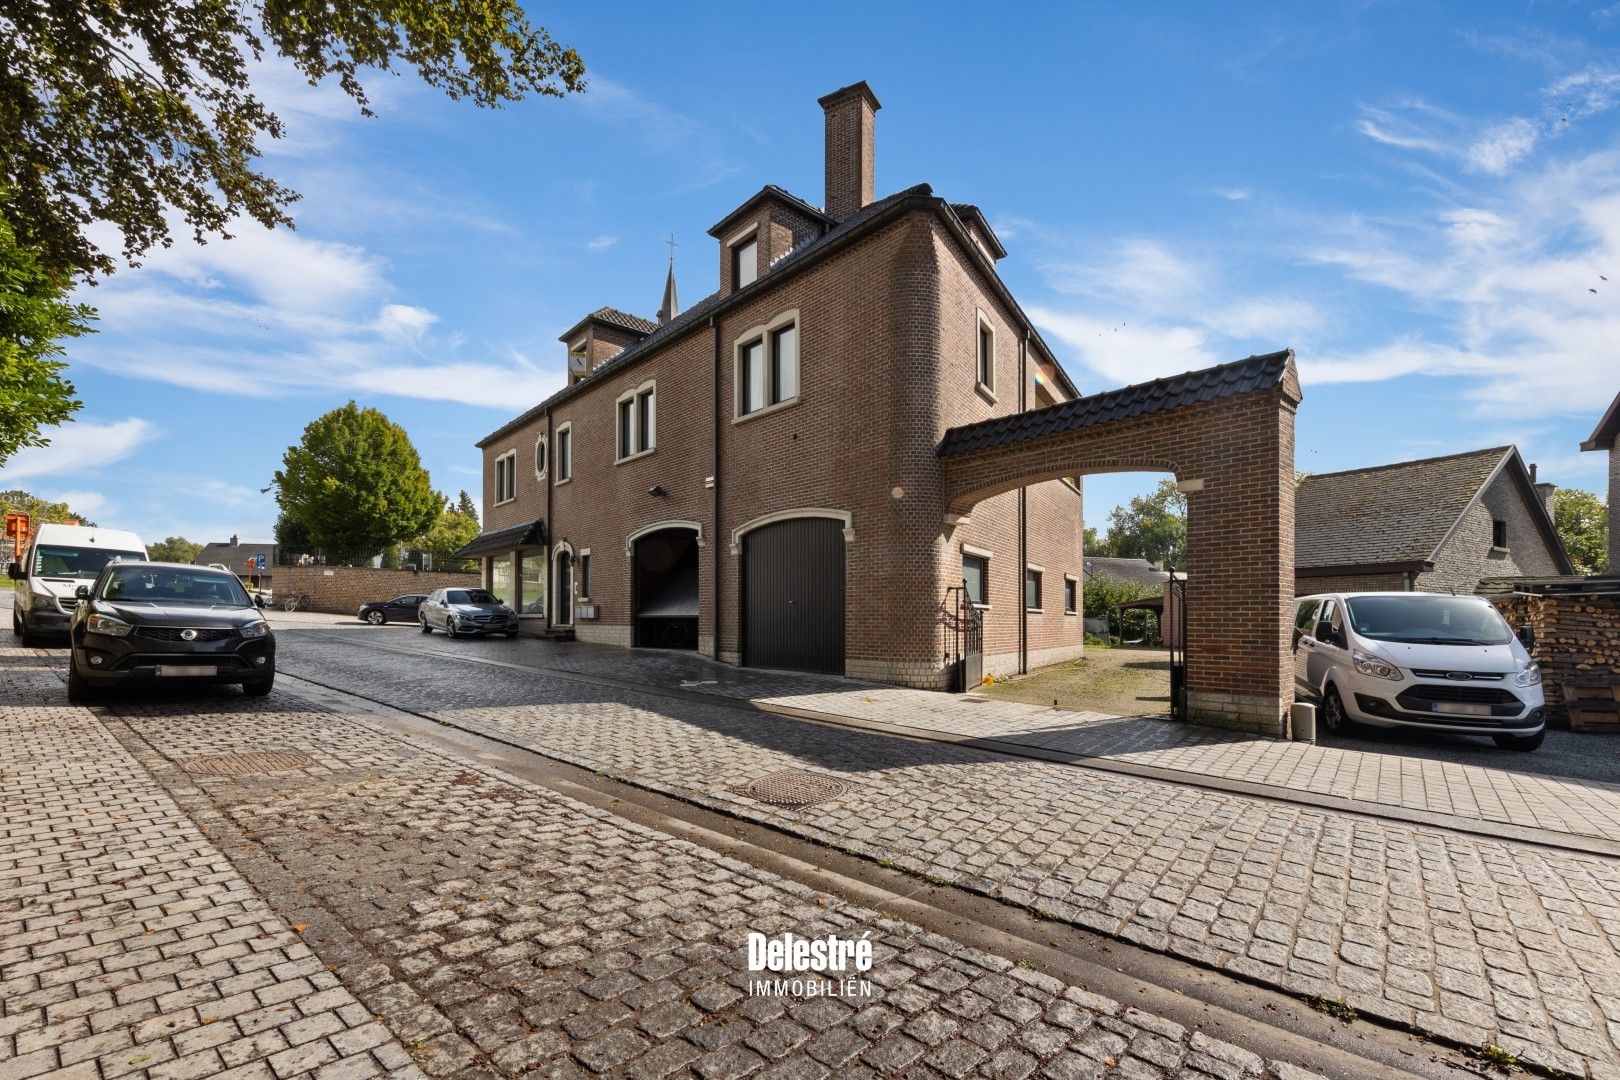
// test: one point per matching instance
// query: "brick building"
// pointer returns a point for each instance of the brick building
(1606, 437)
(796, 471)
(1440, 524)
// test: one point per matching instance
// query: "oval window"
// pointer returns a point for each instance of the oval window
(540, 456)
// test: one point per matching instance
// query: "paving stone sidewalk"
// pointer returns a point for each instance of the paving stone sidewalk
(1479, 941)
(129, 947)
(1507, 792)
(496, 928)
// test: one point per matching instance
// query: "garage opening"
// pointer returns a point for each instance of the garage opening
(665, 587)
(793, 595)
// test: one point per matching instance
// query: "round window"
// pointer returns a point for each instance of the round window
(540, 456)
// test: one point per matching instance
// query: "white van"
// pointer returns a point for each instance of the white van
(1417, 660)
(59, 559)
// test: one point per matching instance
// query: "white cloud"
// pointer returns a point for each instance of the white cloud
(84, 445)
(601, 243)
(404, 322)
(1124, 354)
(1234, 194)
(90, 503)
(1136, 272)
(1502, 145)
(1586, 93)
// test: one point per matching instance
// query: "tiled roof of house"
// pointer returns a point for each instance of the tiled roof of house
(614, 317)
(1134, 571)
(1608, 429)
(1160, 395)
(234, 556)
(1396, 513)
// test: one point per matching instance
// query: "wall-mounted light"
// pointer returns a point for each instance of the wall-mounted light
(657, 491)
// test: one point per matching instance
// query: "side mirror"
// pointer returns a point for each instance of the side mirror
(258, 600)
(1527, 636)
(14, 571)
(1325, 632)
(82, 592)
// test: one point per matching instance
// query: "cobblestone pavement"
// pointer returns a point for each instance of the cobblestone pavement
(129, 947)
(493, 927)
(1477, 940)
(1440, 775)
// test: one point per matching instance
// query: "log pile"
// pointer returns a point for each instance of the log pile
(1577, 642)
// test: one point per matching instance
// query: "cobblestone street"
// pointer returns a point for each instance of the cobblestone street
(449, 919)
(1478, 940)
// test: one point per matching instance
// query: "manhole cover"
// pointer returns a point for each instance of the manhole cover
(794, 788)
(247, 763)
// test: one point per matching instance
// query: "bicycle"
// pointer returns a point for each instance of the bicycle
(296, 602)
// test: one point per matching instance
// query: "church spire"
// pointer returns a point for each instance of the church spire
(671, 306)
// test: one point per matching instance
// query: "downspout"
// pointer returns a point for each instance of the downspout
(720, 541)
(551, 525)
(1023, 518)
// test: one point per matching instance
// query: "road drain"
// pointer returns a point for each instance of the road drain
(793, 788)
(248, 763)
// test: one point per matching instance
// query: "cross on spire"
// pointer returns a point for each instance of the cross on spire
(671, 243)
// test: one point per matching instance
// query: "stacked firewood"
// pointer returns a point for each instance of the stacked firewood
(1578, 648)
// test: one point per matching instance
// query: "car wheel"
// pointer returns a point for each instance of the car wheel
(259, 687)
(450, 628)
(1334, 718)
(376, 618)
(426, 629)
(24, 638)
(1521, 742)
(79, 691)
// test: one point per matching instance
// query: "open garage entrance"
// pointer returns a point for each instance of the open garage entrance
(793, 595)
(664, 570)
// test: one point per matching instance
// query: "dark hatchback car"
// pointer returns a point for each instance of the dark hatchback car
(399, 609)
(161, 623)
(467, 611)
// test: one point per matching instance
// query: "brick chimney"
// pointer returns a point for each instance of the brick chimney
(851, 115)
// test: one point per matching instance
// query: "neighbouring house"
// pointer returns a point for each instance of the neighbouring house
(242, 559)
(1130, 571)
(1605, 437)
(1441, 524)
(808, 468)
(1142, 573)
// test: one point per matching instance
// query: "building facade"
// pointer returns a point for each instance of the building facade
(758, 477)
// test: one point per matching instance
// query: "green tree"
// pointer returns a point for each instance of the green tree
(356, 483)
(292, 534)
(1152, 527)
(174, 549)
(35, 317)
(123, 110)
(40, 511)
(453, 531)
(1582, 520)
(465, 505)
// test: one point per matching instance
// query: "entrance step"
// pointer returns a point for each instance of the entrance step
(558, 633)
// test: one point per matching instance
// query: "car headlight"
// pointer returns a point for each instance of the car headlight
(1530, 676)
(1378, 669)
(256, 630)
(106, 624)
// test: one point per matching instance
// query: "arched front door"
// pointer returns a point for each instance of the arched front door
(563, 610)
(793, 595)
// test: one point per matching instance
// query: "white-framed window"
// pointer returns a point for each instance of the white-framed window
(1071, 595)
(562, 456)
(506, 477)
(540, 449)
(1032, 588)
(985, 355)
(584, 573)
(637, 412)
(767, 365)
(744, 259)
(976, 575)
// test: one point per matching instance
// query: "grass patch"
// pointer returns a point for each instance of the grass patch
(1338, 1008)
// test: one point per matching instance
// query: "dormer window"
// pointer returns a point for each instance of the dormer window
(745, 261)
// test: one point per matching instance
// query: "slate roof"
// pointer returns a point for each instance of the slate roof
(1396, 513)
(1133, 571)
(528, 534)
(1143, 399)
(1608, 429)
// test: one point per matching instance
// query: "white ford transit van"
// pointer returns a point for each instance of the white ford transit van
(1417, 660)
(59, 559)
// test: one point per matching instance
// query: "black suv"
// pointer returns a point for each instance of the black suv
(150, 623)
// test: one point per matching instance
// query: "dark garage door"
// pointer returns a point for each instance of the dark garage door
(793, 596)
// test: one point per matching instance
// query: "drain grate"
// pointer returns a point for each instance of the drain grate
(248, 763)
(794, 788)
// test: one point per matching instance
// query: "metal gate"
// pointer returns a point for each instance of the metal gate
(793, 596)
(963, 627)
(1176, 637)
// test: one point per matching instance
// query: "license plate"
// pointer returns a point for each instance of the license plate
(1458, 708)
(170, 670)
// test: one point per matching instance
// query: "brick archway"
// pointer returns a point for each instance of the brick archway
(1227, 434)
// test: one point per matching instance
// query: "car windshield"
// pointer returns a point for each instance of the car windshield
(174, 587)
(470, 596)
(1428, 619)
(85, 562)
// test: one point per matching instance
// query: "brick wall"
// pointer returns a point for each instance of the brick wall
(340, 590)
(1575, 635)
(1307, 586)
(1614, 509)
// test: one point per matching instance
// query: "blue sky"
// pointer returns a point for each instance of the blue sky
(1416, 197)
